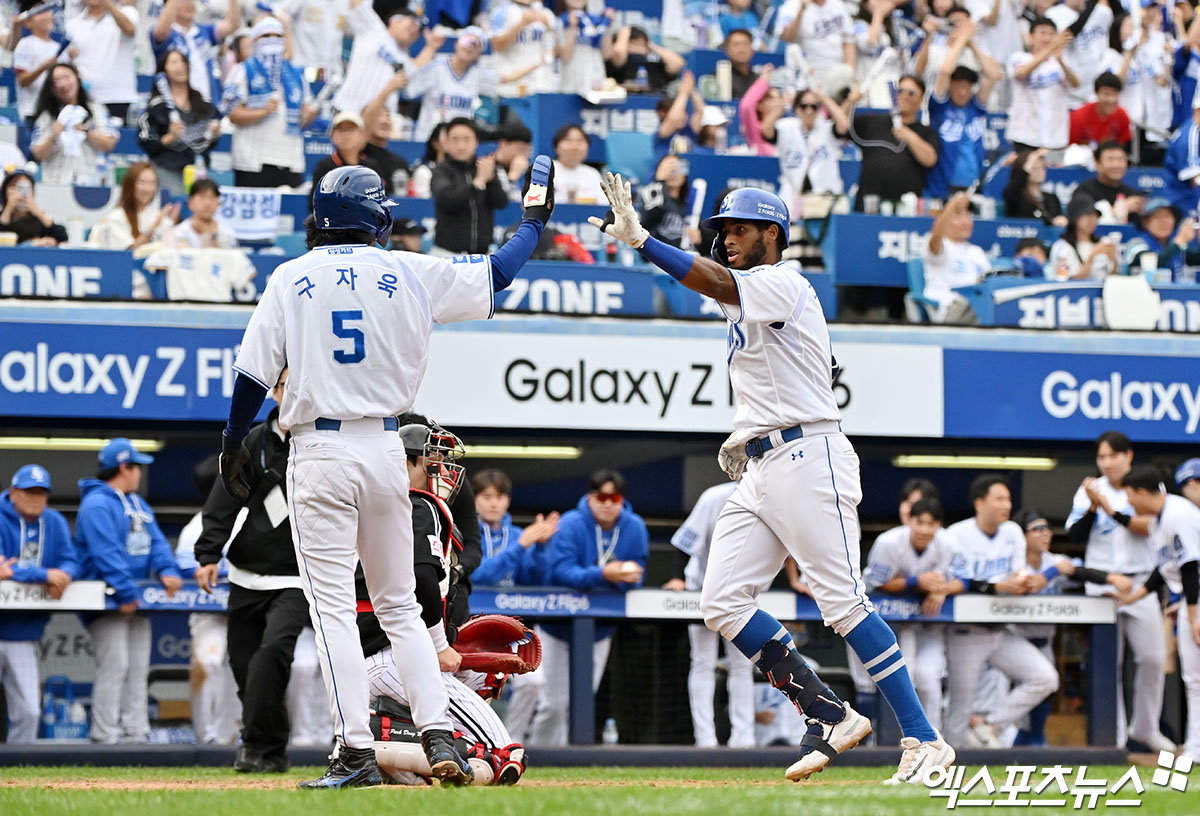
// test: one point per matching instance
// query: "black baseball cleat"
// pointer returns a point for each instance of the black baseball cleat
(247, 760)
(445, 762)
(351, 768)
(274, 763)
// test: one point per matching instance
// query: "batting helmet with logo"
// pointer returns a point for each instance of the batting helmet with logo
(749, 204)
(353, 198)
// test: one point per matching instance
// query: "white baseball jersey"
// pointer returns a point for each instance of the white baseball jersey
(1039, 114)
(1176, 537)
(1085, 55)
(824, 28)
(893, 555)
(31, 53)
(534, 46)
(1110, 546)
(352, 324)
(584, 71)
(317, 30)
(445, 94)
(373, 61)
(105, 60)
(960, 263)
(813, 155)
(695, 535)
(779, 354)
(977, 556)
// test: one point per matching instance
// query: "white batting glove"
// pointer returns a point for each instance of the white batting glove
(732, 457)
(621, 222)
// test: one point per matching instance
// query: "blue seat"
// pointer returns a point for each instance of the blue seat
(631, 155)
(292, 244)
(917, 307)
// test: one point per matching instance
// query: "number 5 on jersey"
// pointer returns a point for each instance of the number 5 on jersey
(345, 332)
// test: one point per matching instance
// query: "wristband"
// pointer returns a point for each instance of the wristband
(672, 260)
(1050, 573)
(1121, 518)
(437, 633)
(911, 583)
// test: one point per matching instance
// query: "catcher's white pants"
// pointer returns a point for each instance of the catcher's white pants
(799, 499)
(216, 709)
(469, 713)
(348, 495)
(925, 647)
(19, 679)
(524, 692)
(1141, 626)
(702, 684)
(969, 649)
(550, 724)
(121, 644)
(308, 707)
(1189, 667)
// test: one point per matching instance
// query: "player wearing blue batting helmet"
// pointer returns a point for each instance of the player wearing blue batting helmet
(755, 206)
(352, 198)
(1187, 477)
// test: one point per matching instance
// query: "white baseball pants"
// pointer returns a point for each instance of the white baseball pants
(550, 723)
(524, 692)
(970, 649)
(308, 706)
(924, 647)
(702, 685)
(1189, 667)
(19, 679)
(1141, 626)
(216, 709)
(348, 495)
(799, 499)
(121, 644)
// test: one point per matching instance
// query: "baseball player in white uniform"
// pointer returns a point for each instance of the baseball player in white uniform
(799, 488)
(693, 538)
(1116, 540)
(351, 323)
(988, 556)
(523, 45)
(1175, 533)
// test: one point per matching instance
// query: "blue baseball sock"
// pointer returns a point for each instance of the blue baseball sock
(875, 644)
(765, 641)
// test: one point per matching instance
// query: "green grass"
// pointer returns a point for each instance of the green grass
(617, 791)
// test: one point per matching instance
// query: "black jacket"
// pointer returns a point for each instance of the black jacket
(471, 555)
(464, 213)
(155, 123)
(260, 546)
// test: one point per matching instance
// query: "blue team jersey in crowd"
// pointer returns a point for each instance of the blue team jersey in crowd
(961, 130)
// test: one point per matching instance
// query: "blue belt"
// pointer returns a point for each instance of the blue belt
(323, 424)
(757, 447)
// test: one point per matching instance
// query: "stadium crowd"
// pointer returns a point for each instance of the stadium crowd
(906, 89)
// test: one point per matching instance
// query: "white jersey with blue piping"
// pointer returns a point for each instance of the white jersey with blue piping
(352, 324)
(695, 534)
(977, 556)
(1175, 533)
(893, 556)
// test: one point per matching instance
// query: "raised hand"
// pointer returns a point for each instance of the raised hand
(621, 222)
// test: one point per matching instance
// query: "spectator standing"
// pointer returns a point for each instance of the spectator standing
(35, 548)
(380, 56)
(137, 219)
(759, 110)
(201, 230)
(676, 127)
(1089, 22)
(318, 27)
(1023, 195)
(349, 137)
(33, 57)
(466, 192)
(20, 213)
(808, 146)
(1103, 120)
(514, 146)
(1116, 539)
(1185, 70)
(999, 28)
(1079, 254)
(878, 62)
(71, 135)
(739, 49)
(825, 33)
(896, 157)
(178, 127)
(1117, 202)
(941, 36)
(378, 123)
(664, 204)
(584, 42)
(268, 103)
(522, 36)
(119, 542)
(737, 15)
(450, 86)
(958, 112)
(1039, 116)
(574, 181)
(600, 545)
(1183, 162)
(951, 260)
(102, 46)
(640, 65)
(177, 29)
(1167, 237)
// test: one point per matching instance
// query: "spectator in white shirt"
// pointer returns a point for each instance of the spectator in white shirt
(584, 43)
(450, 86)
(939, 42)
(102, 44)
(825, 32)
(318, 27)
(201, 230)
(574, 181)
(34, 56)
(1039, 116)
(1089, 22)
(268, 103)
(879, 63)
(177, 29)
(137, 219)
(809, 146)
(380, 56)
(522, 35)
(71, 134)
(1080, 254)
(952, 261)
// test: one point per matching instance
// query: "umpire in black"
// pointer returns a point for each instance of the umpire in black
(267, 608)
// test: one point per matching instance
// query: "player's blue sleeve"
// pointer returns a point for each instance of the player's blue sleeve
(672, 260)
(100, 535)
(569, 562)
(63, 553)
(535, 566)
(248, 398)
(507, 261)
(29, 575)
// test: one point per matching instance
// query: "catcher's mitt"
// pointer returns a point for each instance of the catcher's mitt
(498, 643)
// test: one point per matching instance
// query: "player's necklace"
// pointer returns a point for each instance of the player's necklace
(605, 554)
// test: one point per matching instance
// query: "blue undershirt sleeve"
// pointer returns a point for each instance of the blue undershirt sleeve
(508, 259)
(248, 398)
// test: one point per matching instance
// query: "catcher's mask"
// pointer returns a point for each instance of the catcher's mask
(440, 449)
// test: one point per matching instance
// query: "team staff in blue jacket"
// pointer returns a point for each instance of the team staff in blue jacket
(600, 545)
(119, 542)
(36, 542)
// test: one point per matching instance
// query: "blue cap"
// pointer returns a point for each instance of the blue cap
(1187, 471)
(31, 476)
(119, 451)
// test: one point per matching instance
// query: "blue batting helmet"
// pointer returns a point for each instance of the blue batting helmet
(749, 204)
(353, 198)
